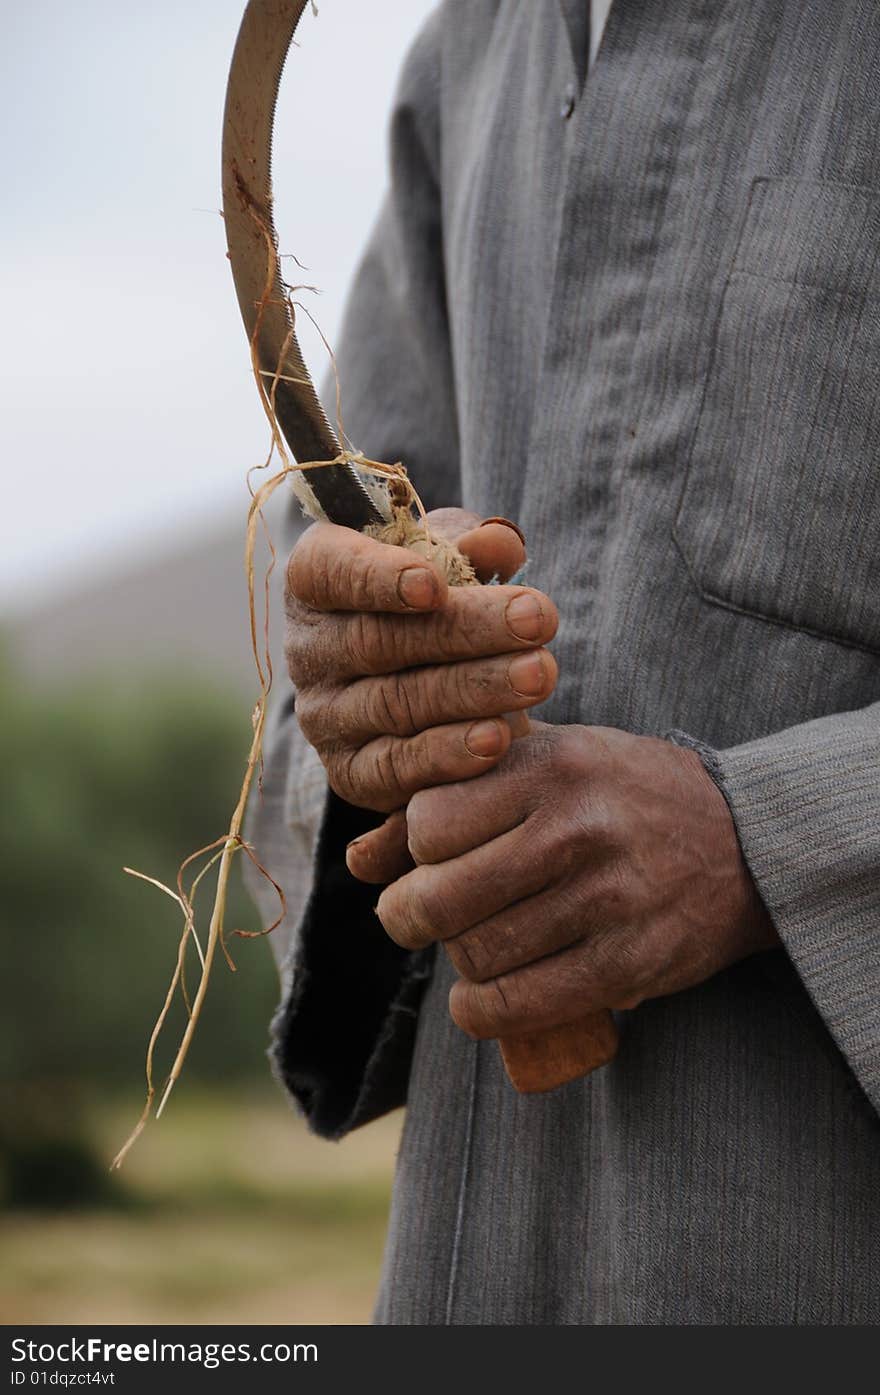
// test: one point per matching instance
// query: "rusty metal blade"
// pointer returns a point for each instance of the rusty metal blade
(267, 29)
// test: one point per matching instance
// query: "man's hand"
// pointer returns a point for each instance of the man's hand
(592, 869)
(401, 682)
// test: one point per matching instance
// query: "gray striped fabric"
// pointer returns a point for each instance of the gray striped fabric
(649, 330)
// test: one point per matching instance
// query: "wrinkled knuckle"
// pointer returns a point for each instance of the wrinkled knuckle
(564, 846)
(377, 708)
(451, 630)
(469, 688)
(460, 959)
(317, 582)
(620, 966)
(339, 762)
(361, 642)
(391, 910)
(309, 646)
(388, 765)
(295, 575)
(420, 692)
(401, 913)
(372, 643)
(482, 1009)
(303, 667)
(562, 850)
(611, 891)
(430, 912)
(378, 772)
(592, 826)
(336, 716)
(325, 718)
(493, 1008)
(293, 656)
(470, 956)
(394, 703)
(309, 710)
(400, 764)
(363, 584)
(331, 576)
(430, 757)
(568, 755)
(601, 822)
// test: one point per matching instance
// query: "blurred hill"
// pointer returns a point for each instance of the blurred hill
(180, 608)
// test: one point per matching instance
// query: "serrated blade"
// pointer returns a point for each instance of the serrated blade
(264, 38)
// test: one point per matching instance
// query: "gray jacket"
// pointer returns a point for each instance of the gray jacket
(641, 315)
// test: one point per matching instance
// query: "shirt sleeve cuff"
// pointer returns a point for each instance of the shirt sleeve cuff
(806, 805)
(342, 1038)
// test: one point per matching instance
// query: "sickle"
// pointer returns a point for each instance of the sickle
(534, 1062)
(263, 40)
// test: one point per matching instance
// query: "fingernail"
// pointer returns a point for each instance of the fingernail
(484, 739)
(507, 524)
(526, 675)
(417, 587)
(524, 617)
(354, 842)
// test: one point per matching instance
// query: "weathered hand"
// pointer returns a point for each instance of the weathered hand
(402, 682)
(591, 869)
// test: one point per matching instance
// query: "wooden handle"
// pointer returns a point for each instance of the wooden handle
(541, 1061)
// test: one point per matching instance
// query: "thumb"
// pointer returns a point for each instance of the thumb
(494, 547)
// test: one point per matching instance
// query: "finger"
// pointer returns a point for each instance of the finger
(548, 993)
(334, 568)
(446, 822)
(475, 622)
(382, 855)
(495, 548)
(525, 932)
(403, 703)
(385, 773)
(440, 901)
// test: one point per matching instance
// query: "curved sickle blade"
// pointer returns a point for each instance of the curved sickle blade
(264, 38)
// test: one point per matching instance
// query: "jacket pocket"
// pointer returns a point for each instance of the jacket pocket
(779, 514)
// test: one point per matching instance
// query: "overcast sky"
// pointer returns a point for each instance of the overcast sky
(127, 413)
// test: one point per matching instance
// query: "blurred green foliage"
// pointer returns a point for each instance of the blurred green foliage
(96, 778)
(227, 1210)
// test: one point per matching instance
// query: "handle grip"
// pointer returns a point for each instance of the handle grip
(541, 1061)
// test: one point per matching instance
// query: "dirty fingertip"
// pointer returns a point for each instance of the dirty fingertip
(494, 549)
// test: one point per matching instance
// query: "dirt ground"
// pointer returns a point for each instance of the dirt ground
(231, 1212)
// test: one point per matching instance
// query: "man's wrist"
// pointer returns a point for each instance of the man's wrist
(761, 931)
